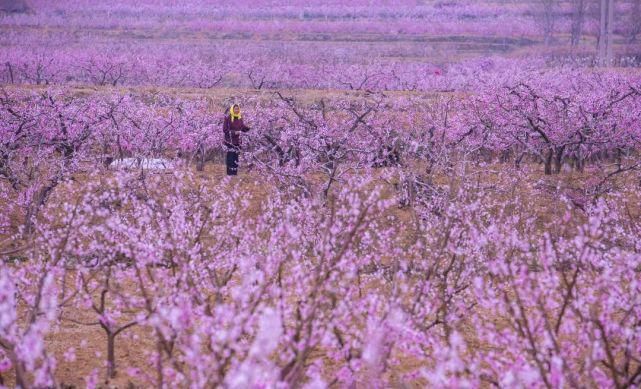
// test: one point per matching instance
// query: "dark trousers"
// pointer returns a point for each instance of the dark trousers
(232, 162)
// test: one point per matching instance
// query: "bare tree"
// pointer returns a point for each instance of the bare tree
(547, 10)
(606, 27)
(578, 19)
(635, 22)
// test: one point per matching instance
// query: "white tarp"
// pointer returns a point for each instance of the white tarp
(142, 163)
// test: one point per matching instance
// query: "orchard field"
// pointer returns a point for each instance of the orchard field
(431, 194)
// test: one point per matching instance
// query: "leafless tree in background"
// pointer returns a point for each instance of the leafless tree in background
(635, 21)
(578, 20)
(606, 27)
(547, 13)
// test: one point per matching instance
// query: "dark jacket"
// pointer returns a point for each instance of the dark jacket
(232, 130)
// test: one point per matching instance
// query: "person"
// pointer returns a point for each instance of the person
(232, 127)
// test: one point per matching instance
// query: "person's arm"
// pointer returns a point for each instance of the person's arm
(227, 131)
(245, 128)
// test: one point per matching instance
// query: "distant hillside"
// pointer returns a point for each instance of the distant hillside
(13, 6)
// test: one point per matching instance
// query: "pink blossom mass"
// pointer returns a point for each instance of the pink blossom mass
(320, 194)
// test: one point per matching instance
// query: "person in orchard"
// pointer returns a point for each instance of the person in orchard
(232, 128)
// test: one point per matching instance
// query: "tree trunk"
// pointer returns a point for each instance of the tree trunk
(602, 32)
(10, 71)
(548, 20)
(36, 204)
(111, 355)
(609, 57)
(200, 159)
(18, 368)
(558, 160)
(159, 368)
(331, 180)
(636, 17)
(505, 156)
(606, 28)
(517, 161)
(578, 18)
(548, 162)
